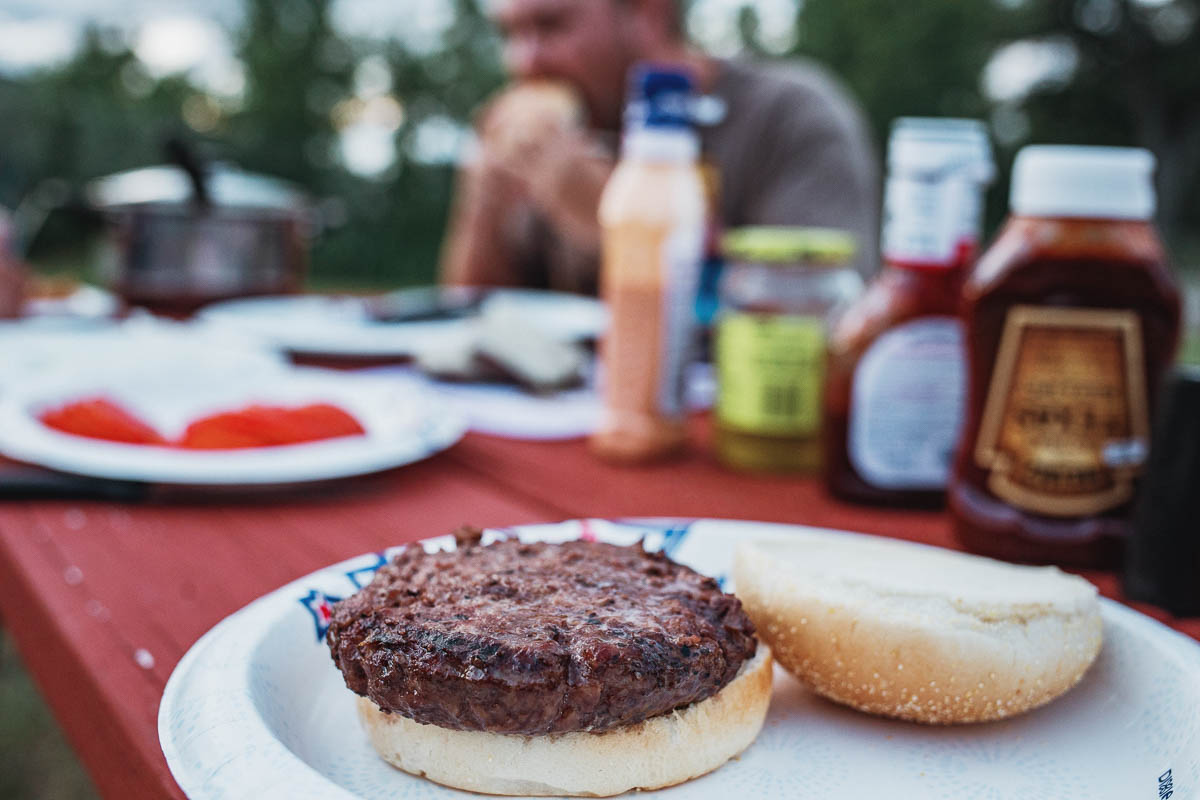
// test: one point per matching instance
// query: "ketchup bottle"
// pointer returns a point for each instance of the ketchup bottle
(896, 380)
(1071, 316)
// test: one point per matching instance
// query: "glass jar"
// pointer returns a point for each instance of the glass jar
(781, 290)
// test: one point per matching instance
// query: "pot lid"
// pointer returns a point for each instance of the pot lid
(228, 187)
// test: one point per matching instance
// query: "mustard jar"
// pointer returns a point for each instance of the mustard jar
(780, 292)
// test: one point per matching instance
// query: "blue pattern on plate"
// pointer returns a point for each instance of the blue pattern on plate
(362, 576)
(320, 606)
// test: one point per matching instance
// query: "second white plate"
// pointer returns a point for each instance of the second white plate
(338, 326)
(403, 423)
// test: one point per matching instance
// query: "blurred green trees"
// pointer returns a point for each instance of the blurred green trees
(1137, 82)
(1132, 77)
(101, 113)
(1135, 78)
(296, 69)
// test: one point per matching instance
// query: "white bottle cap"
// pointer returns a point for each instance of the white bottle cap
(661, 145)
(1088, 182)
(939, 146)
(933, 200)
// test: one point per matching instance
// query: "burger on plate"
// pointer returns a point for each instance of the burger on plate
(580, 668)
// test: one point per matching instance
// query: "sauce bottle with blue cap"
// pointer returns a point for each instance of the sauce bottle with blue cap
(653, 217)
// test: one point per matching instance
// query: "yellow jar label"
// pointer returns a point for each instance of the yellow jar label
(770, 372)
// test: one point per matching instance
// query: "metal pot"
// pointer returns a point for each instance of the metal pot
(177, 241)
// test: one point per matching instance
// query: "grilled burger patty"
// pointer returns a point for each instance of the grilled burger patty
(538, 638)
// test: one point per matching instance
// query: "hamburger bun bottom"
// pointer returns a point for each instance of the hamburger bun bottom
(658, 752)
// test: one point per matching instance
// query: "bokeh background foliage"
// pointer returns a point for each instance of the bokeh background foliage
(1082, 71)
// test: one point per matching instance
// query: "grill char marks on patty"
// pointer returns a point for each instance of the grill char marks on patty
(536, 638)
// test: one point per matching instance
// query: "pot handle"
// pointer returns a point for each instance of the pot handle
(183, 155)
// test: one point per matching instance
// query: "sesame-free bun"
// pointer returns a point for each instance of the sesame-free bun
(916, 632)
(661, 751)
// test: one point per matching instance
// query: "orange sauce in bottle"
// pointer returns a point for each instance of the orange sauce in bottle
(653, 218)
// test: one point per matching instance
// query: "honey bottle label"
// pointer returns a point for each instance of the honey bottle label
(1064, 429)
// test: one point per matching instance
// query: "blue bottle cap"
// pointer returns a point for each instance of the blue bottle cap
(660, 96)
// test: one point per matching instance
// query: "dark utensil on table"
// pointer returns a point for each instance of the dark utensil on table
(23, 482)
(427, 304)
(188, 233)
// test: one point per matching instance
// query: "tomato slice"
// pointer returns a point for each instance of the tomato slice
(100, 418)
(253, 426)
(265, 426)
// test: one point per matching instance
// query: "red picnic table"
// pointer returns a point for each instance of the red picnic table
(104, 598)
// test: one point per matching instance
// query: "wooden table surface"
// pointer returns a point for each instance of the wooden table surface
(103, 599)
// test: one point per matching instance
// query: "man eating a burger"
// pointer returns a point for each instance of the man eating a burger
(787, 144)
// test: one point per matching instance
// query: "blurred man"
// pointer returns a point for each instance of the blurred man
(789, 147)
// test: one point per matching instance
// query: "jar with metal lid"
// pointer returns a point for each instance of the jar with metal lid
(781, 290)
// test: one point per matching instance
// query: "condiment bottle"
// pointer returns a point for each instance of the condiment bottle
(652, 214)
(1071, 316)
(781, 289)
(13, 274)
(712, 263)
(1163, 558)
(896, 386)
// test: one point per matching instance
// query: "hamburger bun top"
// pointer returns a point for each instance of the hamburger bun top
(918, 632)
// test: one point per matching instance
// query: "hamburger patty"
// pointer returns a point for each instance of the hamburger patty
(538, 638)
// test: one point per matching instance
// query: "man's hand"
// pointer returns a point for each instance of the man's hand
(533, 136)
(523, 115)
(534, 156)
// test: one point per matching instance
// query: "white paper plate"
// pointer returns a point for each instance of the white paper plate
(257, 709)
(403, 424)
(322, 325)
(36, 346)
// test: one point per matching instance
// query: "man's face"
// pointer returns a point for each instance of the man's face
(585, 43)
